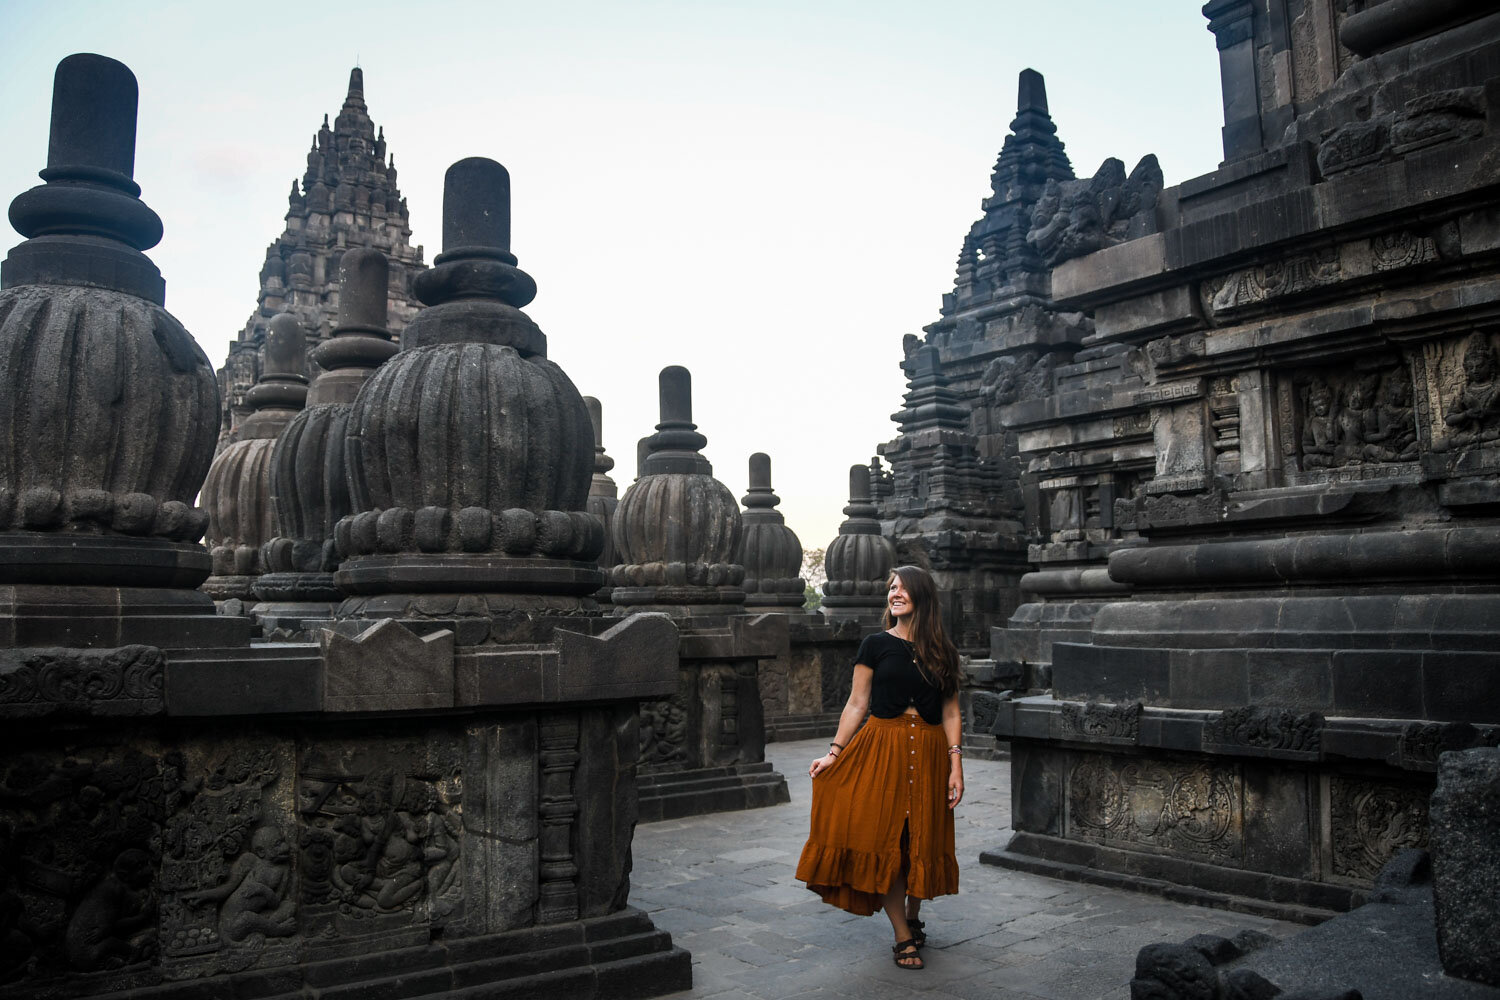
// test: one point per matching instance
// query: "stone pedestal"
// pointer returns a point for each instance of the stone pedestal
(804, 689)
(703, 749)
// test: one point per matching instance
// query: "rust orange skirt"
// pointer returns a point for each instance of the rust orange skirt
(893, 776)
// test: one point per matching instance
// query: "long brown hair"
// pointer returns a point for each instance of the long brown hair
(935, 655)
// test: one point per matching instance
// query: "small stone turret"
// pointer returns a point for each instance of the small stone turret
(769, 550)
(677, 527)
(859, 559)
(309, 481)
(237, 493)
(471, 453)
(108, 413)
(604, 497)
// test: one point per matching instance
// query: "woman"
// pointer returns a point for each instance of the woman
(883, 796)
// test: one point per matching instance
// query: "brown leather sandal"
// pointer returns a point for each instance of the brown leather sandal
(905, 952)
(918, 936)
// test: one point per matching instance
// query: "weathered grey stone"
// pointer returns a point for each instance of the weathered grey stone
(385, 668)
(1466, 863)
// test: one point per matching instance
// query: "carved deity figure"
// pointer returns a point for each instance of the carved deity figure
(253, 897)
(1395, 436)
(1475, 414)
(1357, 420)
(115, 924)
(388, 872)
(1319, 431)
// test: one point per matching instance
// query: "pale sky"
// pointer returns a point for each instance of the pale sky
(769, 193)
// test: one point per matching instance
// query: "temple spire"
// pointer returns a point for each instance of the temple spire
(356, 87)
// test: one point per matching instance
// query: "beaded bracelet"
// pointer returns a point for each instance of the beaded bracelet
(956, 750)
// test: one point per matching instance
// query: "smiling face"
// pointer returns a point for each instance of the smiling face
(897, 599)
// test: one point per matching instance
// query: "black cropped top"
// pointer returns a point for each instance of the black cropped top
(898, 684)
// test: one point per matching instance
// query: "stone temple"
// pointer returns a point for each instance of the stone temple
(347, 199)
(361, 684)
(1210, 472)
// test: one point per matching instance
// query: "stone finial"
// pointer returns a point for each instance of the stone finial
(692, 564)
(90, 196)
(80, 298)
(675, 445)
(361, 342)
(860, 558)
(470, 451)
(356, 87)
(474, 290)
(1032, 92)
(602, 462)
(770, 551)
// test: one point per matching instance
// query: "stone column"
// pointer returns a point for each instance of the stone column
(237, 493)
(309, 473)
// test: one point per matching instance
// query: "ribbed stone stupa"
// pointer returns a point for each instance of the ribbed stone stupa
(237, 493)
(859, 559)
(677, 527)
(604, 496)
(88, 500)
(769, 550)
(470, 452)
(309, 478)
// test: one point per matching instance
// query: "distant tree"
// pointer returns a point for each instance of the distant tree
(813, 573)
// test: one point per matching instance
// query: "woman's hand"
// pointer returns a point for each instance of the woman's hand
(955, 783)
(820, 763)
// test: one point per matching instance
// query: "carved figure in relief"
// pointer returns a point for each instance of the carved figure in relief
(1475, 414)
(253, 898)
(387, 873)
(1319, 433)
(115, 924)
(1357, 420)
(1395, 436)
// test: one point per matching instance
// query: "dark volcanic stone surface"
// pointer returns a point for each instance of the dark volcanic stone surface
(1466, 863)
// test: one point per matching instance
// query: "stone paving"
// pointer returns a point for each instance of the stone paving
(723, 886)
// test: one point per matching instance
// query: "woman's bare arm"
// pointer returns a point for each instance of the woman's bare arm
(853, 715)
(953, 729)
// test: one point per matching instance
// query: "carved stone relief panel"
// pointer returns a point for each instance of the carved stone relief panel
(1350, 424)
(228, 870)
(1181, 806)
(1370, 821)
(1101, 723)
(80, 842)
(1226, 297)
(1462, 378)
(381, 824)
(664, 727)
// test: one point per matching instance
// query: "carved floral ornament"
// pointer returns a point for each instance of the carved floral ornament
(1246, 289)
(1193, 808)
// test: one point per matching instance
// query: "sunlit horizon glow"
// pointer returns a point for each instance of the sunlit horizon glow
(770, 194)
